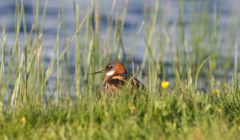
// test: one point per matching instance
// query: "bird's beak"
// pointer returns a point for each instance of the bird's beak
(101, 71)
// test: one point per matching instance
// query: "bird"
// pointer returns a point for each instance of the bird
(116, 77)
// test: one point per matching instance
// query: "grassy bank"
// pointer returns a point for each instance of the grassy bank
(175, 114)
(47, 100)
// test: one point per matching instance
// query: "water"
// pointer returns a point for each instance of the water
(228, 31)
(170, 10)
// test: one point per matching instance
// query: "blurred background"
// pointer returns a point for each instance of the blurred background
(181, 28)
(226, 12)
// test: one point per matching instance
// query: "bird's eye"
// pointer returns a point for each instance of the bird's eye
(109, 67)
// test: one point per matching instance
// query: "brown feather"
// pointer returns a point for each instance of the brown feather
(118, 79)
(117, 82)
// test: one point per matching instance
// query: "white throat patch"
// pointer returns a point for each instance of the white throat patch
(110, 73)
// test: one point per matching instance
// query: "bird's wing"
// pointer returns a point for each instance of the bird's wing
(136, 83)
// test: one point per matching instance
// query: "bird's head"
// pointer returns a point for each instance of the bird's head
(113, 69)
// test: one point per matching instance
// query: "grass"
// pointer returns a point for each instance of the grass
(175, 114)
(199, 104)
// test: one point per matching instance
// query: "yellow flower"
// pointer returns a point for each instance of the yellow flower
(132, 108)
(23, 120)
(216, 91)
(165, 84)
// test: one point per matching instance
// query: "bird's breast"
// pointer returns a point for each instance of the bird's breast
(117, 82)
